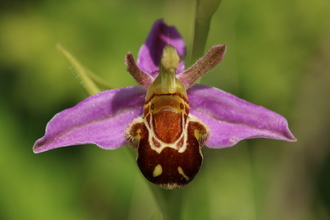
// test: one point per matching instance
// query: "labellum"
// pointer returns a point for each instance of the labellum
(168, 139)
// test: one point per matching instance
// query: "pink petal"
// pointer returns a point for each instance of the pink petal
(100, 119)
(232, 119)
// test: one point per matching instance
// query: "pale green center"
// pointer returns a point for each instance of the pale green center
(166, 82)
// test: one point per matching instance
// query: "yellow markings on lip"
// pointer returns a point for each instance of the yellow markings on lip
(138, 134)
(157, 171)
(182, 173)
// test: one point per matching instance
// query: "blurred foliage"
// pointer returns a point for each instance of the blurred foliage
(278, 57)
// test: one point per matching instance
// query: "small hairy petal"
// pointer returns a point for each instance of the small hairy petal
(212, 58)
(142, 78)
(231, 119)
(150, 53)
(100, 119)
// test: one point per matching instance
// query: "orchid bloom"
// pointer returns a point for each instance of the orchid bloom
(166, 117)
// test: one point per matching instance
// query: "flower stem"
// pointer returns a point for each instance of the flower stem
(204, 12)
(169, 201)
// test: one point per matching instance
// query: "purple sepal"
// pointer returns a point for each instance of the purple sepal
(100, 119)
(150, 53)
(232, 119)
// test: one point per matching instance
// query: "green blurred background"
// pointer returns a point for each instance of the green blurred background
(278, 57)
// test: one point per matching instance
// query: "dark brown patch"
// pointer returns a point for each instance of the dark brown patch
(170, 159)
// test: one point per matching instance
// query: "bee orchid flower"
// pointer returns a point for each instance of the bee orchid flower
(167, 117)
